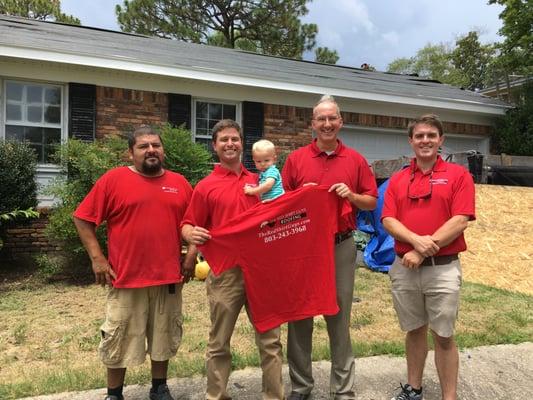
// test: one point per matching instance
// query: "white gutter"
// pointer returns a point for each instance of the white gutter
(123, 63)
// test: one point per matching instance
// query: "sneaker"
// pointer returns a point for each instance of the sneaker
(407, 393)
(162, 393)
(109, 397)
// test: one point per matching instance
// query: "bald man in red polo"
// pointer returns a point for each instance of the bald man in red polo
(327, 161)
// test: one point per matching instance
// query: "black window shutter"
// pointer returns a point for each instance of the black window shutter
(82, 111)
(252, 126)
(179, 110)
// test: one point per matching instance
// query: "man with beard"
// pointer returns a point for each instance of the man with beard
(143, 205)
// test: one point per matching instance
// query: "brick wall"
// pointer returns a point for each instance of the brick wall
(119, 111)
(27, 238)
(289, 127)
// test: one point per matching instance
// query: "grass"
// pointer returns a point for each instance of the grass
(49, 333)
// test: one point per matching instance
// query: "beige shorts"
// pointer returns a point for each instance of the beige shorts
(141, 321)
(426, 295)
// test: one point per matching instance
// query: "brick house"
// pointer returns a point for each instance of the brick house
(59, 81)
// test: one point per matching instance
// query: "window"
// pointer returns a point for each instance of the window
(33, 113)
(207, 114)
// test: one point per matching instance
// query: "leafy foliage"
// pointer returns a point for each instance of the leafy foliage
(18, 189)
(514, 132)
(44, 10)
(326, 56)
(465, 65)
(517, 48)
(263, 26)
(182, 155)
(83, 163)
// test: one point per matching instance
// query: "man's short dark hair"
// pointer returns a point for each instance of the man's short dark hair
(427, 119)
(224, 124)
(141, 131)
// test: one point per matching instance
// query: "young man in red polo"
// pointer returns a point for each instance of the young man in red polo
(216, 199)
(327, 161)
(427, 207)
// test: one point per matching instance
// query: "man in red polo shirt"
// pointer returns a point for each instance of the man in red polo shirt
(216, 199)
(427, 207)
(327, 161)
(143, 205)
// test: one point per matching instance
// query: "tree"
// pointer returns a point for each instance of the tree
(514, 132)
(517, 48)
(264, 26)
(430, 62)
(472, 60)
(466, 65)
(44, 10)
(326, 56)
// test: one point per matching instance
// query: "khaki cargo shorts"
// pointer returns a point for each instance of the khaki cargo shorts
(426, 295)
(141, 321)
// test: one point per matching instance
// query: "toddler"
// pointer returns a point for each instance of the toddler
(270, 185)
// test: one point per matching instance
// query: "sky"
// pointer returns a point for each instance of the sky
(375, 32)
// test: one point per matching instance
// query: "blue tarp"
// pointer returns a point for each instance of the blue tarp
(379, 252)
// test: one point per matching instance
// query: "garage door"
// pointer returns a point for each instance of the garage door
(376, 144)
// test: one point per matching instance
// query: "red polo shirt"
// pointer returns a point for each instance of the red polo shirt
(452, 193)
(310, 164)
(219, 197)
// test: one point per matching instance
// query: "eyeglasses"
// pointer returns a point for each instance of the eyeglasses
(419, 192)
(323, 120)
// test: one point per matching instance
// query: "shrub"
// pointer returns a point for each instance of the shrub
(182, 155)
(18, 189)
(83, 163)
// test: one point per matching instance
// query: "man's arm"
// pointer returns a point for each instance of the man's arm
(424, 245)
(195, 234)
(103, 272)
(260, 189)
(450, 230)
(361, 201)
(189, 263)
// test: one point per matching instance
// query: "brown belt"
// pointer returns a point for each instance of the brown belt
(342, 236)
(439, 260)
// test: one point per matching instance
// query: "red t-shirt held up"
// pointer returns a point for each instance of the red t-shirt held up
(143, 217)
(285, 249)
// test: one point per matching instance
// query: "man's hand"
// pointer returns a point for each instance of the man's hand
(195, 234)
(341, 189)
(412, 259)
(103, 272)
(187, 268)
(424, 245)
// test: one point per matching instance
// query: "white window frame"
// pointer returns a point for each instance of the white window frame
(63, 124)
(238, 114)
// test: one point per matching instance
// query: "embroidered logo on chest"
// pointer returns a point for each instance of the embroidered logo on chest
(168, 189)
(439, 181)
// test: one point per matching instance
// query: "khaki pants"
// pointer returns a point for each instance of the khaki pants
(299, 346)
(227, 296)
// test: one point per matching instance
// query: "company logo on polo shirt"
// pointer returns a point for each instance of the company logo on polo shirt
(284, 219)
(168, 189)
(439, 181)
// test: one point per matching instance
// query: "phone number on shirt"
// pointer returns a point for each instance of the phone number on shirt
(284, 234)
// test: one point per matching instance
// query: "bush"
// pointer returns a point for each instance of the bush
(18, 189)
(183, 155)
(83, 163)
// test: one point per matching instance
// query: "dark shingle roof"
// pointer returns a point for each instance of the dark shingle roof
(104, 44)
